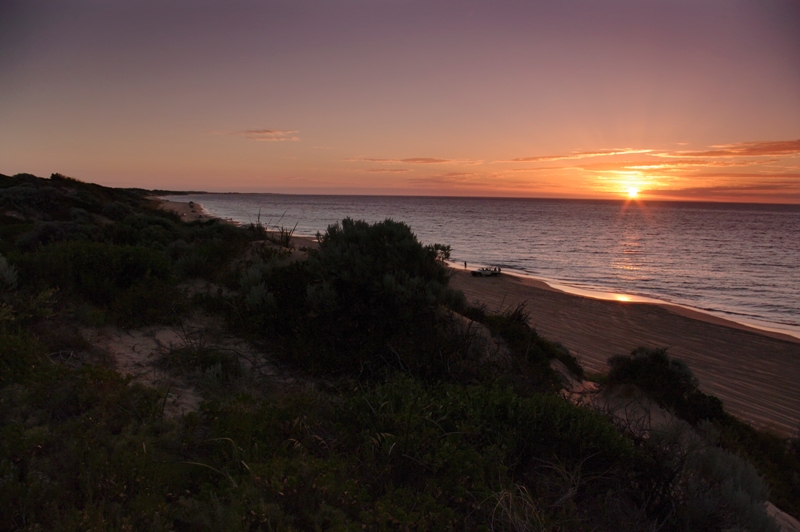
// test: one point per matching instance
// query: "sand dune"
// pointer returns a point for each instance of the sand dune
(755, 373)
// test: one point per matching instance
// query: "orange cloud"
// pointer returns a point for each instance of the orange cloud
(750, 175)
(674, 164)
(779, 191)
(744, 149)
(267, 135)
(371, 160)
(411, 160)
(449, 177)
(387, 170)
(577, 155)
(425, 160)
(540, 168)
(415, 160)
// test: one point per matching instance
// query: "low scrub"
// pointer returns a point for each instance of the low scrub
(673, 386)
(135, 283)
(668, 381)
(99, 272)
(530, 352)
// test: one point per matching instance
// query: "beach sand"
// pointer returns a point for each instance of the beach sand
(755, 373)
(189, 212)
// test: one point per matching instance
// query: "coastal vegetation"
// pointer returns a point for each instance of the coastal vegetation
(391, 402)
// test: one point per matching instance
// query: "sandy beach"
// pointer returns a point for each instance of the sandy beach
(188, 211)
(754, 372)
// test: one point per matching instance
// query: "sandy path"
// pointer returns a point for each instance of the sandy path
(755, 374)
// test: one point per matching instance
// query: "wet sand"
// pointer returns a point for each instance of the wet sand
(755, 373)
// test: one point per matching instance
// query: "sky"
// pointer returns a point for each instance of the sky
(695, 99)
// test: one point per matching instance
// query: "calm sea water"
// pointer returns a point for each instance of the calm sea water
(738, 260)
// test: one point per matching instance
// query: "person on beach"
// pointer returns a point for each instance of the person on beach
(465, 265)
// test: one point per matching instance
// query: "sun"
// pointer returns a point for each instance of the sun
(633, 192)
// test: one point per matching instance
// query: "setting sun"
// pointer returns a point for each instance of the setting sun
(633, 192)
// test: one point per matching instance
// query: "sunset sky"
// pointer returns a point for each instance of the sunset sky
(696, 99)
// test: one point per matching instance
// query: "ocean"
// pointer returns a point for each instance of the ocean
(738, 261)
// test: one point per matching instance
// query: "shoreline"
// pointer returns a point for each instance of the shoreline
(709, 316)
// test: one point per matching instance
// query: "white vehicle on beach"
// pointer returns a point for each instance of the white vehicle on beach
(486, 272)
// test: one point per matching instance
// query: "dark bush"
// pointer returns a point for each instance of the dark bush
(20, 353)
(437, 434)
(531, 352)
(370, 297)
(52, 232)
(373, 296)
(99, 272)
(668, 381)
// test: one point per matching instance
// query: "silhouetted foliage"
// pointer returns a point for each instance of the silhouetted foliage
(368, 298)
(668, 381)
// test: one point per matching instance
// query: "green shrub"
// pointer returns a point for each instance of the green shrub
(373, 285)
(47, 233)
(99, 272)
(668, 381)
(708, 488)
(369, 298)
(776, 458)
(532, 353)
(116, 210)
(20, 353)
(11, 229)
(83, 449)
(8, 275)
(460, 443)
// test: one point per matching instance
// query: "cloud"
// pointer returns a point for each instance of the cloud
(744, 149)
(749, 176)
(267, 135)
(411, 160)
(782, 148)
(425, 160)
(673, 164)
(449, 177)
(463, 179)
(577, 155)
(371, 160)
(387, 170)
(777, 190)
(540, 168)
(453, 177)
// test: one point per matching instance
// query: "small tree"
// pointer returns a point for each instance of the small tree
(374, 294)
